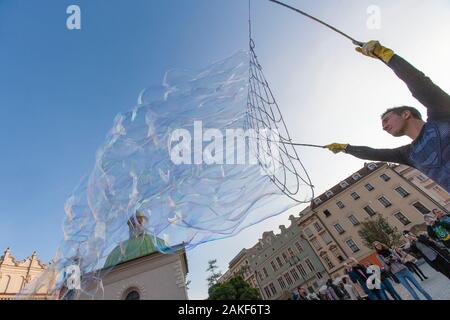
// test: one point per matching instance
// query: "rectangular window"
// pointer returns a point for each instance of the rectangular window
(308, 232)
(369, 187)
(402, 192)
(288, 278)
(285, 257)
(404, 220)
(327, 213)
(353, 220)
(267, 292)
(352, 245)
(274, 267)
(369, 211)
(317, 226)
(337, 254)
(344, 184)
(339, 228)
(421, 178)
(291, 252)
(302, 271)
(355, 196)
(340, 205)
(422, 209)
(385, 177)
(310, 265)
(295, 275)
(328, 261)
(273, 289)
(385, 202)
(327, 238)
(316, 244)
(279, 261)
(265, 272)
(299, 247)
(281, 283)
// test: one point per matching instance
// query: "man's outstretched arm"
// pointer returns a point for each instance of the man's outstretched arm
(436, 100)
(397, 155)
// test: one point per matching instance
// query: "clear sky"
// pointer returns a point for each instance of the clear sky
(60, 90)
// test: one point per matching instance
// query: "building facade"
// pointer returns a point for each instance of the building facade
(240, 264)
(325, 246)
(280, 263)
(15, 275)
(428, 186)
(332, 222)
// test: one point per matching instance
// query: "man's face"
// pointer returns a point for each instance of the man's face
(394, 124)
(430, 221)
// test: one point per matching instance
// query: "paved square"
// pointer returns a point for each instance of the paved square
(437, 285)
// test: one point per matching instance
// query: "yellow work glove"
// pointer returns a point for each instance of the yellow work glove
(337, 147)
(375, 50)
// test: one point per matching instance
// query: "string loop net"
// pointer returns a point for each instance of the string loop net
(275, 150)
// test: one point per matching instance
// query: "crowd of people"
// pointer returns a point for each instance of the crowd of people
(397, 264)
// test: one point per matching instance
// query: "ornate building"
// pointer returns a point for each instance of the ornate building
(14, 275)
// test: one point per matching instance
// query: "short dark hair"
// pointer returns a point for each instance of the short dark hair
(399, 111)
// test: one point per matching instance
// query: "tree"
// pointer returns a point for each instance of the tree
(379, 230)
(214, 275)
(234, 289)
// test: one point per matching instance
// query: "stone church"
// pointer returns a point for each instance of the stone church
(136, 270)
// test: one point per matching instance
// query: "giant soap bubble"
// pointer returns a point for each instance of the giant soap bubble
(184, 158)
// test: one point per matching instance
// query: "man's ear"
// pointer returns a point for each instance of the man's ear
(406, 115)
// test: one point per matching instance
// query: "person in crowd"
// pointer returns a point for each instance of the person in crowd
(438, 229)
(351, 290)
(437, 257)
(439, 214)
(330, 292)
(411, 263)
(295, 295)
(302, 294)
(393, 262)
(312, 295)
(357, 273)
(386, 285)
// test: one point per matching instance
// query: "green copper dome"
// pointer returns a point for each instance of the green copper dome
(133, 248)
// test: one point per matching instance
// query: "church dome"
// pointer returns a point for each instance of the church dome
(139, 244)
(133, 248)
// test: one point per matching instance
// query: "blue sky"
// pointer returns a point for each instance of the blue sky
(60, 90)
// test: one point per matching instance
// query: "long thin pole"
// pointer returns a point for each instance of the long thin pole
(355, 42)
(304, 145)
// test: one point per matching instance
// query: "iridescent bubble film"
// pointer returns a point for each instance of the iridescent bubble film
(176, 171)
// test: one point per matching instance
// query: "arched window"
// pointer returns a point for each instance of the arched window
(132, 294)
